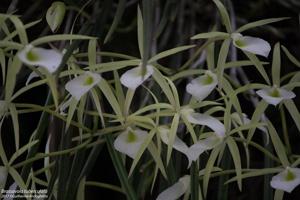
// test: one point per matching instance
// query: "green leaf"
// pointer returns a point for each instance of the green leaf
(156, 156)
(120, 169)
(290, 56)
(118, 16)
(81, 189)
(97, 103)
(71, 111)
(276, 64)
(258, 112)
(17, 178)
(224, 15)
(260, 23)
(15, 122)
(256, 172)
(111, 66)
(59, 37)
(21, 151)
(209, 168)
(12, 72)
(278, 145)
(222, 60)
(210, 56)
(28, 87)
(294, 112)
(3, 65)
(160, 80)
(108, 93)
(140, 31)
(172, 135)
(19, 28)
(92, 51)
(128, 100)
(169, 52)
(235, 153)
(209, 35)
(258, 66)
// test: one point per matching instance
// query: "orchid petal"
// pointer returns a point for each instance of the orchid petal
(198, 148)
(211, 122)
(176, 190)
(179, 145)
(251, 44)
(46, 58)
(134, 77)
(202, 86)
(80, 85)
(286, 180)
(130, 141)
(275, 95)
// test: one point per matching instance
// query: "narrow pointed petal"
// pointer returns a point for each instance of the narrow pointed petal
(134, 78)
(202, 86)
(286, 180)
(176, 190)
(46, 58)
(245, 120)
(206, 120)
(253, 45)
(130, 141)
(275, 95)
(3, 176)
(80, 85)
(31, 76)
(179, 145)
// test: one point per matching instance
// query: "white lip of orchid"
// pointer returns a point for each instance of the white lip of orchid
(286, 180)
(176, 190)
(202, 86)
(46, 58)
(275, 95)
(134, 77)
(251, 44)
(130, 141)
(80, 85)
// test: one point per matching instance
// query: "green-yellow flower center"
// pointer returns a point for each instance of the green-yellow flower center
(207, 80)
(31, 56)
(289, 176)
(240, 43)
(275, 93)
(131, 137)
(89, 80)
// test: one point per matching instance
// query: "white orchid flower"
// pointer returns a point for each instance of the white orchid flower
(251, 44)
(193, 152)
(176, 190)
(130, 141)
(202, 86)
(80, 85)
(275, 95)
(46, 58)
(286, 180)
(134, 77)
